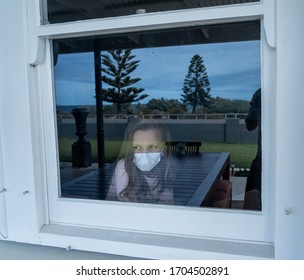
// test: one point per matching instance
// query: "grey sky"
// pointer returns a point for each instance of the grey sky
(233, 70)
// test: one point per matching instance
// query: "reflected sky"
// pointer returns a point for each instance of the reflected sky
(234, 72)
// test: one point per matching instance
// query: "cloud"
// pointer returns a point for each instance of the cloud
(74, 93)
(238, 85)
(78, 67)
(233, 70)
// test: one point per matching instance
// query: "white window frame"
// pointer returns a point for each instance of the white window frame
(252, 226)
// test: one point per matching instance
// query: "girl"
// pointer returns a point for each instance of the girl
(145, 172)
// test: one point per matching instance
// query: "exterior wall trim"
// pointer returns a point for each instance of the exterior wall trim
(152, 246)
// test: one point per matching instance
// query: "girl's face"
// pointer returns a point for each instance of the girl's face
(147, 141)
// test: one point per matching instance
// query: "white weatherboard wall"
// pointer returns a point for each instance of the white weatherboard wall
(15, 121)
(24, 213)
(289, 220)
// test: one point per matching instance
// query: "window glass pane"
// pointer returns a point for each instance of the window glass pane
(71, 10)
(160, 117)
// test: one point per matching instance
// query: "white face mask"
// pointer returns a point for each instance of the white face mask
(146, 161)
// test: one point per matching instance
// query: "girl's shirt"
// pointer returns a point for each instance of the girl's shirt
(154, 192)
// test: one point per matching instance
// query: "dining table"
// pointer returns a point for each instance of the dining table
(195, 179)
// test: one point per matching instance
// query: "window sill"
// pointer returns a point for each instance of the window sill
(150, 245)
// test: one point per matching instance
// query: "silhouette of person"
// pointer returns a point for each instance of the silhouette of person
(253, 189)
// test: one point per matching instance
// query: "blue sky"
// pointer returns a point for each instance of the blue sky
(233, 70)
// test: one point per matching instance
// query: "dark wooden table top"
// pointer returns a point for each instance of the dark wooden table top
(196, 175)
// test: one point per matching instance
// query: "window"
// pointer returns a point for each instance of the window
(205, 129)
(64, 11)
(74, 40)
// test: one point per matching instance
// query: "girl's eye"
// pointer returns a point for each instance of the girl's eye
(153, 148)
(136, 148)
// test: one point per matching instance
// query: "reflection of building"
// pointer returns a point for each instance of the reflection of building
(30, 210)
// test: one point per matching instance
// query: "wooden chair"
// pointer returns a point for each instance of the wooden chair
(183, 148)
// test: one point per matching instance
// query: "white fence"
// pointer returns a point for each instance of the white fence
(215, 116)
(179, 116)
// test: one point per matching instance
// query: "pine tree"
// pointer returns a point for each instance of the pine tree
(117, 66)
(196, 85)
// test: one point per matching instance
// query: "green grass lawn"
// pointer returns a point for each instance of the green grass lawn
(112, 149)
(240, 154)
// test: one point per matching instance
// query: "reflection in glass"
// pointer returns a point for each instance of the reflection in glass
(66, 10)
(253, 189)
(145, 171)
(198, 87)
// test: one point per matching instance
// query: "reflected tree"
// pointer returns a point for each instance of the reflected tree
(117, 65)
(196, 85)
(163, 105)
